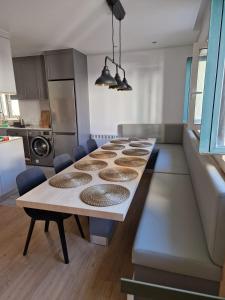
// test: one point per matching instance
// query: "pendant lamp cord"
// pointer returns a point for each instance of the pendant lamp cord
(113, 43)
(120, 42)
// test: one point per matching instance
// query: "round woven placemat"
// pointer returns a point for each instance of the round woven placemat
(118, 174)
(90, 165)
(103, 154)
(113, 147)
(104, 195)
(134, 139)
(140, 144)
(130, 161)
(70, 180)
(120, 141)
(135, 152)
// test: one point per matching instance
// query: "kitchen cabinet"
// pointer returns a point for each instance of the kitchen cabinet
(59, 64)
(30, 77)
(12, 163)
(71, 64)
(24, 134)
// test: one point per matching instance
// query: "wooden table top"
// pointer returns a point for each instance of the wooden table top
(68, 200)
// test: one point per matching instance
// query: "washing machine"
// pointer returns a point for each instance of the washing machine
(41, 147)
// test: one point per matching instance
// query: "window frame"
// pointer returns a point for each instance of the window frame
(212, 87)
(193, 90)
(187, 88)
(9, 115)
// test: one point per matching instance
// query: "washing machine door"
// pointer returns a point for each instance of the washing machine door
(40, 146)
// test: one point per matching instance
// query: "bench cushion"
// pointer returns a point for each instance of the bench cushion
(170, 235)
(209, 188)
(171, 159)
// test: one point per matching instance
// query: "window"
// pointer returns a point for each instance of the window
(187, 90)
(212, 138)
(9, 108)
(200, 86)
(198, 70)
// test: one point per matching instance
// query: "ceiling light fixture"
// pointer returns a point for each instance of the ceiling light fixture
(106, 79)
(125, 86)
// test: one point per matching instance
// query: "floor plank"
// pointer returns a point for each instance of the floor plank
(94, 271)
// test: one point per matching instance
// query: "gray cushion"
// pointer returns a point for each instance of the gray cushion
(171, 159)
(165, 133)
(209, 187)
(170, 235)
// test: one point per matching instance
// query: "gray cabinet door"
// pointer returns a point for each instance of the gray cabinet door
(30, 77)
(59, 64)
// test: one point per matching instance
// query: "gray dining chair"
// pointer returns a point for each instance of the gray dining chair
(79, 152)
(61, 162)
(26, 181)
(91, 145)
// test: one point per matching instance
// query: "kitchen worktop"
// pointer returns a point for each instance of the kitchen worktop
(25, 128)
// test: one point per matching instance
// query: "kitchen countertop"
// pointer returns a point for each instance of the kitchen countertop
(25, 128)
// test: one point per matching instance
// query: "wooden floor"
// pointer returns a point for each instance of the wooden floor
(94, 271)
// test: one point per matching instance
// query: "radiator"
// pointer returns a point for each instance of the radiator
(102, 139)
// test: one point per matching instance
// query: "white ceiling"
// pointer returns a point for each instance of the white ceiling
(38, 25)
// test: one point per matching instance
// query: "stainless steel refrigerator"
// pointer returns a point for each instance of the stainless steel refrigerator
(63, 115)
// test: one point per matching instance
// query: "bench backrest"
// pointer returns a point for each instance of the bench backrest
(165, 133)
(209, 186)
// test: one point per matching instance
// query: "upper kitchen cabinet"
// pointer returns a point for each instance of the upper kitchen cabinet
(59, 64)
(30, 77)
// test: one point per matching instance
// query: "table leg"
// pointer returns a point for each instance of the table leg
(101, 230)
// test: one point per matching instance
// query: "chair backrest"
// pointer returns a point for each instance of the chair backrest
(61, 162)
(91, 145)
(29, 179)
(79, 152)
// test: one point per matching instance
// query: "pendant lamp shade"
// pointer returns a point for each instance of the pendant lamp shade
(120, 83)
(127, 86)
(106, 78)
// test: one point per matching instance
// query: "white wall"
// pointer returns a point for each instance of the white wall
(30, 110)
(204, 28)
(157, 77)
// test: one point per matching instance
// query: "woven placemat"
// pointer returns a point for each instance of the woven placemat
(130, 161)
(70, 180)
(102, 154)
(140, 144)
(104, 195)
(135, 152)
(134, 139)
(90, 165)
(120, 141)
(118, 174)
(113, 147)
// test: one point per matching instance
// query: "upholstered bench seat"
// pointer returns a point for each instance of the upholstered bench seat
(170, 235)
(171, 159)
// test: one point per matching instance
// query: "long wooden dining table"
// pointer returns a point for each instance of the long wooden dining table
(67, 200)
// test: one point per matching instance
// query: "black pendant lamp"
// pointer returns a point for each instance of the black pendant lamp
(119, 83)
(125, 86)
(106, 78)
